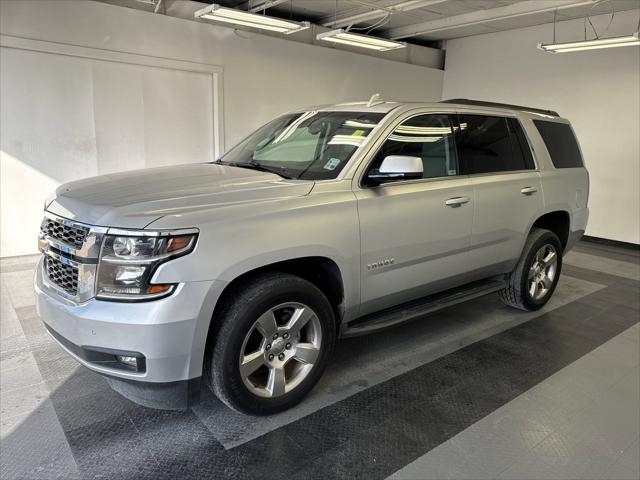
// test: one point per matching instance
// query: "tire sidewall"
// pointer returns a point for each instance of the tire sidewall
(292, 290)
(546, 238)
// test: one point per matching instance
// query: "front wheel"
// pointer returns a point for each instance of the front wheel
(273, 343)
(536, 276)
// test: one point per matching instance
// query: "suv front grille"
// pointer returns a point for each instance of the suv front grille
(64, 276)
(71, 252)
(73, 236)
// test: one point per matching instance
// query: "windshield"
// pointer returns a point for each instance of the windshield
(307, 145)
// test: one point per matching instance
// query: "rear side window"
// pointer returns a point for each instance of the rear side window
(485, 145)
(521, 144)
(561, 144)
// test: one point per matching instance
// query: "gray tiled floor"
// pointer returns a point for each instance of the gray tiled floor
(26, 413)
(387, 356)
(581, 422)
(603, 264)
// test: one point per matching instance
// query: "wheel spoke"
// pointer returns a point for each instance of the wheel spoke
(533, 288)
(276, 383)
(266, 325)
(539, 256)
(250, 363)
(549, 259)
(546, 282)
(299, 319)
(306, 353)
(532, 273)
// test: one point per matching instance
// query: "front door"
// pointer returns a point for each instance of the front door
(415, 234)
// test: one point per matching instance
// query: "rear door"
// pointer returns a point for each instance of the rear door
(415, 234)
(494, 152)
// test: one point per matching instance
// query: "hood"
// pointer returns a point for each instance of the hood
(136, 198)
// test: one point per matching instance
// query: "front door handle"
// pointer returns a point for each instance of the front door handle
(457, 201)
(528, 190)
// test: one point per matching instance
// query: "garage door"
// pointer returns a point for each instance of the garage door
(68, 116)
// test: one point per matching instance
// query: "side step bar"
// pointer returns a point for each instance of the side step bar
(417, 308)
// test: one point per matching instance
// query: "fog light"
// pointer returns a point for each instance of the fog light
(127, 360)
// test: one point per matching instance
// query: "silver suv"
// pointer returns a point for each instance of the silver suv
(325, 223)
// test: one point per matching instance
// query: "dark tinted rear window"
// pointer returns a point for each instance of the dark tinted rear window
(561, 144)
(485, 145)
(520, 143)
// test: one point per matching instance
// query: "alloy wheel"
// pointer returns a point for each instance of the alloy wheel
(542, 272)
(280, 349)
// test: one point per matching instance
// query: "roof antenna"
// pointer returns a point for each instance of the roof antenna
(376, 99)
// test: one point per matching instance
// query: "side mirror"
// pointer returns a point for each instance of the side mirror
(396, 167)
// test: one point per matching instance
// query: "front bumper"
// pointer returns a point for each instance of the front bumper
(170, 333)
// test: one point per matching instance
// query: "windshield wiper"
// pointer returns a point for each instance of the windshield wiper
(260, 168)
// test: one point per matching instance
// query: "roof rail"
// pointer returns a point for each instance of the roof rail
(480, 103)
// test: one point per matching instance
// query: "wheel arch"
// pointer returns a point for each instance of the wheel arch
(321, 271)
(558, 221)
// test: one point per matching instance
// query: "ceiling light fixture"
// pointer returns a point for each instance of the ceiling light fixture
(611, 42)
(595, 43)
(247, 19)
(343, 37)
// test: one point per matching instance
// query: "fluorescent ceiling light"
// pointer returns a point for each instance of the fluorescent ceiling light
(247, 19)
(402, 138)
(287, 132)
(357, 40)
(611, 42)
(356, 124)
(347, 140)
(411, 130)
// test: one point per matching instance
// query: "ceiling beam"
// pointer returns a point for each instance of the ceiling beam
(527, 7)
(260, 5)
(407, 6)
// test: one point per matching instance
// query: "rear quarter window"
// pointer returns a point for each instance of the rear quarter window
(561, 144)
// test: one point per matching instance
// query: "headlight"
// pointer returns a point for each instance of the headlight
(128, 262)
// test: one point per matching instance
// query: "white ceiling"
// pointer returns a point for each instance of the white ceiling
(438, 19)
(418, 21)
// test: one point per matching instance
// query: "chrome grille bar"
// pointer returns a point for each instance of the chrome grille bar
(62, 274)
(64, 231)
(71, 251)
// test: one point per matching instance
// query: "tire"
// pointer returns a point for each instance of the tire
(518, 292)
(242, 324)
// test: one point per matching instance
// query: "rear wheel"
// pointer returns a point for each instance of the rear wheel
(536, 276)
(273, 343)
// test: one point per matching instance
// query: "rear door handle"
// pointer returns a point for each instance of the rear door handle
(528, 190)
(457, 201)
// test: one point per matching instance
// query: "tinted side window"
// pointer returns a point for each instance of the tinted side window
(561, 143)
(429, 137)
(484, 145)
(520, 143)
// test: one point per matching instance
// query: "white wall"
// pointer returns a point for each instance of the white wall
(65, 118)
(598, 91)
